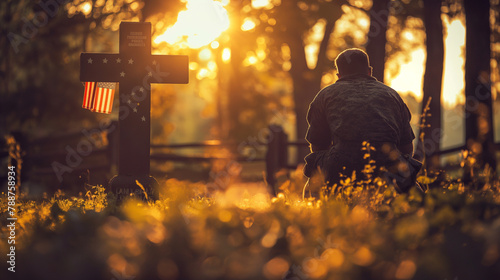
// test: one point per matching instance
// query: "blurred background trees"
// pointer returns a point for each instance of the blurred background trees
(256, 62)
(479, 104)
(430, 124)
(39, 68)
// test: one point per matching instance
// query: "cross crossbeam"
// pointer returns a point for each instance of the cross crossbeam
(135, 69)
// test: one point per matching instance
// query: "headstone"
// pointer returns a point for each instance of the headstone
(135, 69)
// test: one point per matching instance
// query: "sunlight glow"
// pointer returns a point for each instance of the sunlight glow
(313, 39)
(256, 4)
(411, 74)
(86, 8)
(214, 45)
(205, 54)
(193, 65)
(286, 55)
(198, 26)
(408, 36)
(410, 77)
(226, 55)
(212, 66)
(251, 59)
(203, 73)
(248, 24)
(246, 196)
(454, 62)
(364, 22)
(353, 24)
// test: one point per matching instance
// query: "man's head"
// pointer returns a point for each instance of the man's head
(353, 61)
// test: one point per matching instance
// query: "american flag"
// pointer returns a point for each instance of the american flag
(99, 98)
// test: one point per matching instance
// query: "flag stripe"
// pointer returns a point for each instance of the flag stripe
(85, 95)
(96, 100)
(111, 98)
(97, 106)
(91, 96)
(106, 101)
(99, 100)
(98, 97)
(88, 96)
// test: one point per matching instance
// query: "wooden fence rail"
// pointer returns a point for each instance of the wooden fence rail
(41, 154)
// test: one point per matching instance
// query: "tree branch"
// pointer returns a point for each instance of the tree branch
(355, 7)
(323, 47)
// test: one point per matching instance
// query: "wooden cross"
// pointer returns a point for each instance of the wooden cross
(135, 69)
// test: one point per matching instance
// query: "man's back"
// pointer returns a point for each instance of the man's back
(358, 108)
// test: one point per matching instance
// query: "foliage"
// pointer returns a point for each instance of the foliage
(41, 46)
(449, 233)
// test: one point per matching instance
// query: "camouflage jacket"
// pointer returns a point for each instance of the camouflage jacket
(358, 108)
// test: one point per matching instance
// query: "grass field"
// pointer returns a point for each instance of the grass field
(364, 231)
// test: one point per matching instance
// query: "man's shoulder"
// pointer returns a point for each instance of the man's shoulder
(326, 91)
(343, 84)
(336, 87)
(379, 86)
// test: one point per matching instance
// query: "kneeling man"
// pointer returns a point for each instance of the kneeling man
(354, 110)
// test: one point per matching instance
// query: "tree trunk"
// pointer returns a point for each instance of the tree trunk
(375, 47)
(430, 123)
(304, 92)
(307, 82)
(234, 98)
(478, 100)
(305, 86)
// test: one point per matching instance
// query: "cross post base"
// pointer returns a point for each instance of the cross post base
(124, 186)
